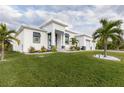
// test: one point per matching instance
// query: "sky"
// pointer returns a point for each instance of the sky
(80, 18)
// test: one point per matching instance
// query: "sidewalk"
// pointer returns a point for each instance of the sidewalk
(39, 53)
(112, 51)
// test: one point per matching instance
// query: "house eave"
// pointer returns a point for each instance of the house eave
(71, 31)
(83, 35)
(20, 29)
(54, 21)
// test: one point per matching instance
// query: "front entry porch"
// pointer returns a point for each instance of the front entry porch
(58, 40)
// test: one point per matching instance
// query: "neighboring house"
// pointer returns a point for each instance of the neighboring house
(52, 33)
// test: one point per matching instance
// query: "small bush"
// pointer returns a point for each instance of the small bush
(54, 49)
(37, 51)
(8, 47)
(43, 49)
(32, 50)
(122, 46)
(72, 48)
(77, 48)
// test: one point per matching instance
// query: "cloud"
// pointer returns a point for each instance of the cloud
(9, 15)
(80, 18)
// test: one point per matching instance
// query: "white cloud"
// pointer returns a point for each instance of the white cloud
(80, 20)
(10, 16)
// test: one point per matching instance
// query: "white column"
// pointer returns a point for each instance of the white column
(61, 40)
(53, 38)
(90, 45)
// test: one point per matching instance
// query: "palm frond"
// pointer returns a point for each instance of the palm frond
(113, 24)
(97, 33)
(3, 26)
(117, 31)
(12, 38)
(117, 22)
(104, 21)
(115, 37)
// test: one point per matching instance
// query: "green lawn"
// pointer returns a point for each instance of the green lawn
(61, 69)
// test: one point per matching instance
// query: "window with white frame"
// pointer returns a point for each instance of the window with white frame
(36, 37)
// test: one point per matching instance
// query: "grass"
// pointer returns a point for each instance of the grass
(61, 69)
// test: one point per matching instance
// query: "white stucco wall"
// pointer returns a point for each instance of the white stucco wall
(83, 42)
(71, 35)
(58, 27)
(28, 40)
(48, 28)
(51, 28)
(17, 47)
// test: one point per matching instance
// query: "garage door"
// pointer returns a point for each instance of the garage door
(87, 44)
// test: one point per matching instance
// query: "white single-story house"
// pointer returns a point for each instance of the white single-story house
(52, 33)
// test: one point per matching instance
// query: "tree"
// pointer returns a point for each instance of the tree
(74, 41)
(118, 42)
(110, 29)
(122, 46)
(6, 35)
(7, 45)
(99, 45)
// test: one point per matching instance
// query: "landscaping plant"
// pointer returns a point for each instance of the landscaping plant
(32, 50)
(43, 49)
(54, 49)
(6, 35)
(110, 29)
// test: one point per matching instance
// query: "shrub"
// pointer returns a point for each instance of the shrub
(43, 49)
(122, 46)
(7, 47)
(53, 49)
(77, 48)
(72, 48)
(38, 51)
(31, 50)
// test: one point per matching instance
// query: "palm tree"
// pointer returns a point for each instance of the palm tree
(6, 35)
(110, 29)
(74, 41)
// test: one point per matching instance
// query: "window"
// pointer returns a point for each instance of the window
(49, 40)
(36, 37)
(66, 38)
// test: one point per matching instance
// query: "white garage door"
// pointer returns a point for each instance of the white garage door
(87, 44)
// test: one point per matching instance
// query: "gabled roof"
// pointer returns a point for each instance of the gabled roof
(83, 35)
(54, 21)
(29, 27)
(32, 27)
